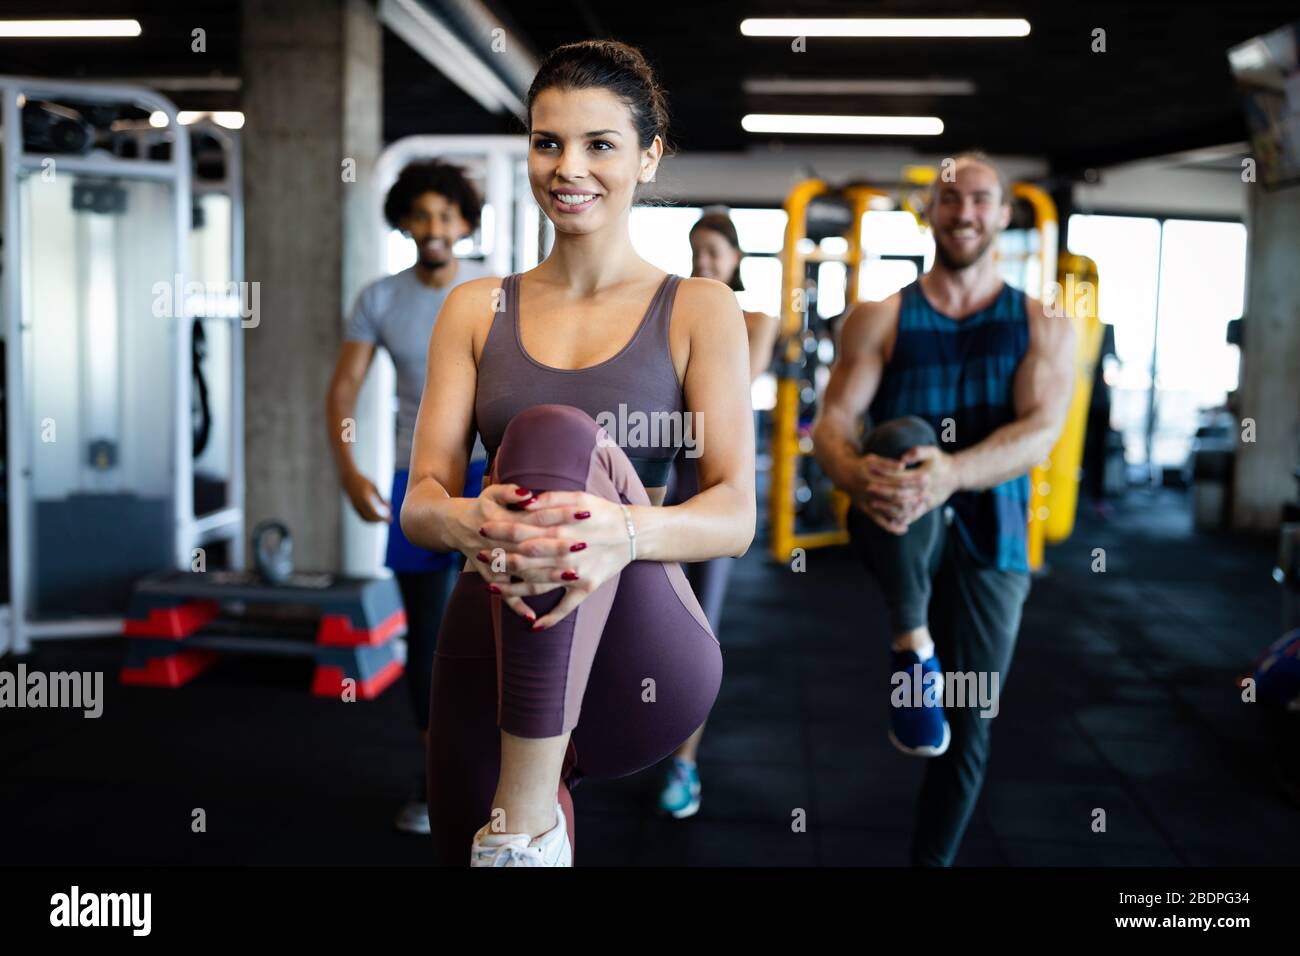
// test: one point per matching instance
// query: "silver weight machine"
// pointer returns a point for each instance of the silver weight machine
(111, 469)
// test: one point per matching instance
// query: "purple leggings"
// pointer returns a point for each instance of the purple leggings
(632, 672)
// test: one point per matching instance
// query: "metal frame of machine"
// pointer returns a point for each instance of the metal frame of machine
(514, 239)
(786, 449)
(231, 518)
(17, 630)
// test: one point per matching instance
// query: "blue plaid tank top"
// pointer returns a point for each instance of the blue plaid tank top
(963, 370)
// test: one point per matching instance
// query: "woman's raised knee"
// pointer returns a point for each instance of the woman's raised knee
(551, 419)
(547, 443)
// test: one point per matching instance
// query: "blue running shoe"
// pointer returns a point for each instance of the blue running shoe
(916, 722)
(680, 797)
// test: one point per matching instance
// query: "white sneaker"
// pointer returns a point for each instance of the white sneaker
(413, 818)
(517, 849)
(414, 815)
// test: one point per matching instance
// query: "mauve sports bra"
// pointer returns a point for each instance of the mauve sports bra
(634, 395)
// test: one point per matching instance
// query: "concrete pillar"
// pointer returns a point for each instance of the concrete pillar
(1270, 368)
(312, 97)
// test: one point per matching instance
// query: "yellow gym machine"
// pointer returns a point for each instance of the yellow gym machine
(842, 211)
(1035, 267)
(1068, 283)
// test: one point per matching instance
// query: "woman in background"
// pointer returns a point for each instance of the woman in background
(715, 254)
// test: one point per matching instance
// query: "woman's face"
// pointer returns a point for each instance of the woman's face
(712, 256)
(584, 162)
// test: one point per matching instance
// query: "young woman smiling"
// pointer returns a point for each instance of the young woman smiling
(573, 644)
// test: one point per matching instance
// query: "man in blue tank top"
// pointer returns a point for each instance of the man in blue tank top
(966, 383)
(436, 206)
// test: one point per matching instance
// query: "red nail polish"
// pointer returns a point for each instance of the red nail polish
(582, 514)
(493, 589)
(522, 491)
(577, 547)
(570, 575)
(482, 532)
(537, 627)
(483, 556)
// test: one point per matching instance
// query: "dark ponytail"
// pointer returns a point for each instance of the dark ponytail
(613, 66)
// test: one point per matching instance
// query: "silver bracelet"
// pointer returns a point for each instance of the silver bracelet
(631, 529)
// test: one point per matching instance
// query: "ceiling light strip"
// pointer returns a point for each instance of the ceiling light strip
(842, 125)
(885, 27)
(62, 29)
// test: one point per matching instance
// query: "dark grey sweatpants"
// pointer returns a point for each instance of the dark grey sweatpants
(974, 614)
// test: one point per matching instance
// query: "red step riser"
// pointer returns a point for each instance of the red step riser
(337, 631)
(328, 681)
(174, 670)
(172, 623)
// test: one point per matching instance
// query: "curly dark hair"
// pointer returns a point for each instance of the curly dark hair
(432, 176)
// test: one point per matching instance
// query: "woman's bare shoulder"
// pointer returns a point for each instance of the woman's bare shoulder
(471, 296)
(706, 299)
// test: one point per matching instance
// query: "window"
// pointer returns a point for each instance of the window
(1202, 288)
(1152, 288)
(661, 235)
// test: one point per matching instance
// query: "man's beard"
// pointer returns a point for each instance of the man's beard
(435, 260)
(954, 263)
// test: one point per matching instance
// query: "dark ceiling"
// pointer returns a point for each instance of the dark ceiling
(1163, 84)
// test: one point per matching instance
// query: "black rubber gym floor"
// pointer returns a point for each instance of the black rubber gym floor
(1121, 698)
